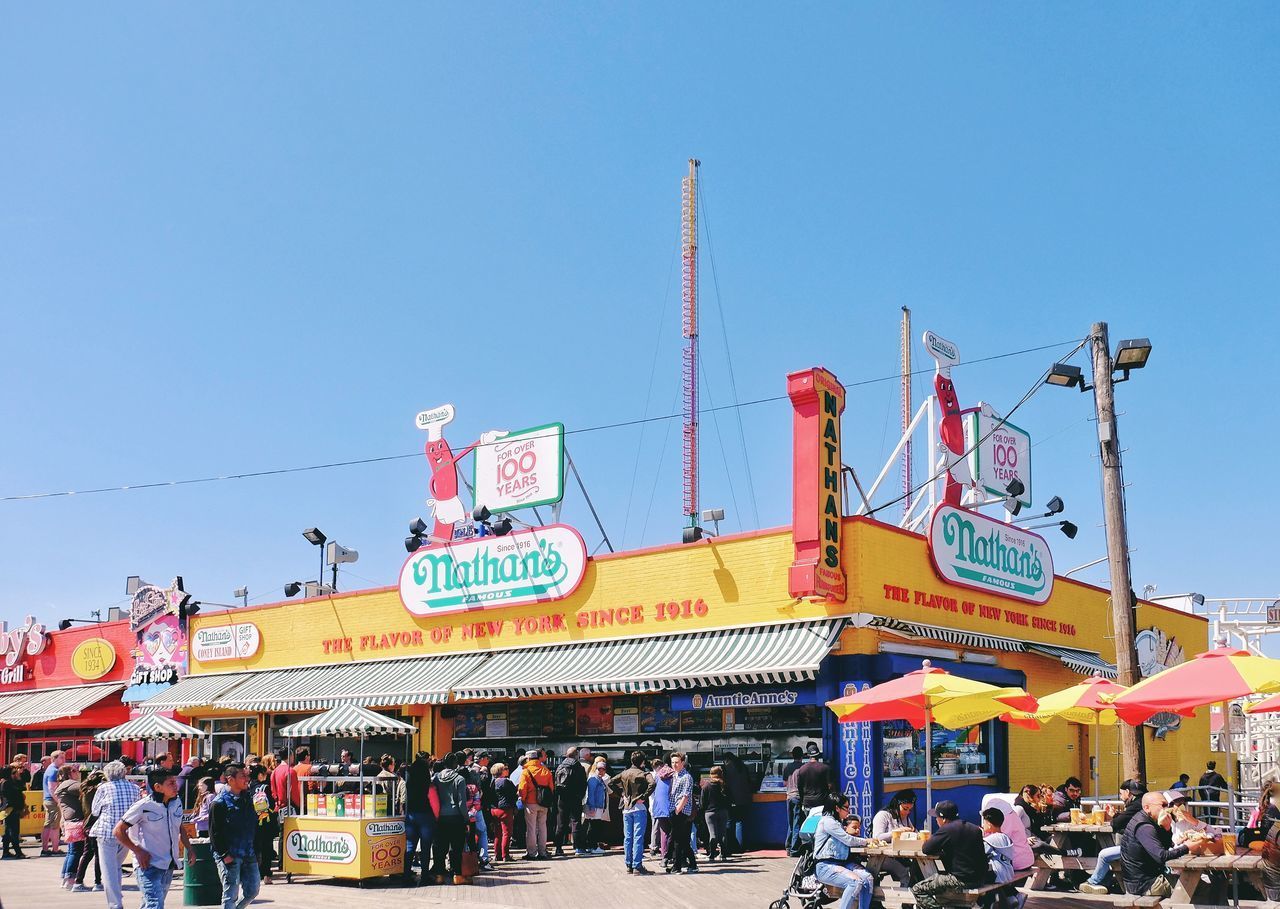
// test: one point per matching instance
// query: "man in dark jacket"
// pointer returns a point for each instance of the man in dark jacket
(1131, 793)
(1148, 846)
(634, 788)
(815, 781)
(960, 846)
(451, 825)
(233, 828)
(571, 789)
(419, 819)
(1212, 786)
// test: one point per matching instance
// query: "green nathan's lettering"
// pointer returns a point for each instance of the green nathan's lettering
(989, 552)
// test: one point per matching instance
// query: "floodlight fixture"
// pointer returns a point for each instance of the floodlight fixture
(1132, 354)
(132, 584)
(418, 527)
(291, 589)
(315, 536)
(1066, 376)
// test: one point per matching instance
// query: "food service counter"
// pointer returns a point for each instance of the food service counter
(353, 835)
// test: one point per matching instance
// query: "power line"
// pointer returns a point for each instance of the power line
(622, 424)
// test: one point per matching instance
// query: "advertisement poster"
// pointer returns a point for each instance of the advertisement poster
(595, 716)
(657, 716)
(855, 759)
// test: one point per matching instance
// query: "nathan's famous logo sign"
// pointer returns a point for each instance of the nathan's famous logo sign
(972, 550)
(321, 846)
(527, 566)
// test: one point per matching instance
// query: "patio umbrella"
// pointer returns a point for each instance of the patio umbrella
(1218, 676)
(927, 696)
(1266, 705)
(1083, 704)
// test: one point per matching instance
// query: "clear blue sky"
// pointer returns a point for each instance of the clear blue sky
(241, 236)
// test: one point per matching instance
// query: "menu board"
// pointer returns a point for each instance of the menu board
(626, 716)
(595, 716)
(469, 723)
(560, 720)
(495, 723)
(657, 716)
(701, 721)
(525, 718)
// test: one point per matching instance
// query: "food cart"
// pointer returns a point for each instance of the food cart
(351, 826)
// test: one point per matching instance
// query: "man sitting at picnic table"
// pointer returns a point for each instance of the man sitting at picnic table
(963, 852)
(1148, 846)
(1131, 793)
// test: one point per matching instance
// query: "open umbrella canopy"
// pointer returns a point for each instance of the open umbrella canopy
(1083, 703)
(954, 702)
(1222, 674)
(149, 728)
(1266, 705)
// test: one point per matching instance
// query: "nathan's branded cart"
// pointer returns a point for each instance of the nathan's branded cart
(350, 826)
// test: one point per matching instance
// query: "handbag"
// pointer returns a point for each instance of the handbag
(73, 831)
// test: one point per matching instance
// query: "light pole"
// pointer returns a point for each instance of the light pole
(1130, 355)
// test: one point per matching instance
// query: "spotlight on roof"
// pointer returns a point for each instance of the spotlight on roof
(291, 589)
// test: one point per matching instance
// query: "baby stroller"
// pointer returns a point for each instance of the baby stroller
(804, 886)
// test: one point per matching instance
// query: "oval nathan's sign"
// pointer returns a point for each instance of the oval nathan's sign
(527, 566)
(321, 846)
(972, 550)
(225, 642)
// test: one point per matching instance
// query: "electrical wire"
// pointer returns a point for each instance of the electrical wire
(728, 355)
(602, 427)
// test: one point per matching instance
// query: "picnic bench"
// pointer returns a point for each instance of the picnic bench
(1191, 869)
(901, 897)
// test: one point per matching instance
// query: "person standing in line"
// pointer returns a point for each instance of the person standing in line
(110, 803)
(419, 819)
(233, 832)
(88, 789)
(571, 789)
(634, 787)
(264, 806)
(679, 845)
(815, 781)
(67, 795)
(502, 808)
(52, 816)
(537, 789)
(794, 816)
(741, 785)
(661, 807)
(158, 823)
(715, 808)
(596, 811)
(14, 794)
(451, 823)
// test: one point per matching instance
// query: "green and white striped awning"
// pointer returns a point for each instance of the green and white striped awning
(149, 728)
(763, 654)
(386, 683)
(194, 691)
(56, 703)
(345, 719)
(1086, 662)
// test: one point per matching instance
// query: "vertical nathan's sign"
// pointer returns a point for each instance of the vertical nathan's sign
(817, 505)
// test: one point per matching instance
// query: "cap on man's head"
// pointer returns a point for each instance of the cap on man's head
(812, 750)
(1175, 795)
(946, 810)
(1134, 787)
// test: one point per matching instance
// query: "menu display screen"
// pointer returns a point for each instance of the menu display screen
(657, 716)
(595, 716)
(702, 721)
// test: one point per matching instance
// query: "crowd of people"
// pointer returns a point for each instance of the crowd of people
(463, 813)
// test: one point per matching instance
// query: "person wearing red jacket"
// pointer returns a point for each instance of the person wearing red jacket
(285, 787)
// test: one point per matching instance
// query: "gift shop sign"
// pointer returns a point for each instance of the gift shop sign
(27, 640)
(528, 566)
(521, 469)
(227, 642)
(969, 549)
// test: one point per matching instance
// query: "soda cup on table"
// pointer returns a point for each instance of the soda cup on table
(1075, 815)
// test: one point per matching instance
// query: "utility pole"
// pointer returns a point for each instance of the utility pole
(1132, 752)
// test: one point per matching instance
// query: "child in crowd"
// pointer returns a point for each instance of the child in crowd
(999, 850)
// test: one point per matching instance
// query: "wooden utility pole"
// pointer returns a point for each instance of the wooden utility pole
(1132, 754)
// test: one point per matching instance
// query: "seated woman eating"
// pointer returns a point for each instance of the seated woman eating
(837, 832)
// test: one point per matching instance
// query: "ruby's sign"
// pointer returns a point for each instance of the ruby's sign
(972, 550)
(28, 639)
(528, 566)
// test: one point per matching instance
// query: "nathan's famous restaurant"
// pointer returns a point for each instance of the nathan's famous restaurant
(727, 645)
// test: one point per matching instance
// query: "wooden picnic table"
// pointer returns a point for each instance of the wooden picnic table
(1191, 868)
(906, 851)
(1060, 837)
(1060, 834)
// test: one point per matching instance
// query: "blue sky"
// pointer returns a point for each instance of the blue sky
(239, 237)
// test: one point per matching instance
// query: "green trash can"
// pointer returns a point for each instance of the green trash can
(200, 883)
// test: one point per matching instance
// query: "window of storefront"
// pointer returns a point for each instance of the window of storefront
(228, 737)
(956, 752)
(76, 744)
(614, 726)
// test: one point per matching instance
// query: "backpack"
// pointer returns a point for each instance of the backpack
(563, 772)
(542, 793)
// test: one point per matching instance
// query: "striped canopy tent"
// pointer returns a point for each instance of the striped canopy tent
(150, 728)
(346, 719)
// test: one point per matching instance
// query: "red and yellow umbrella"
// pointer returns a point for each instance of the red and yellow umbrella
(1087, 704)
(930, 695)
(1218, 676)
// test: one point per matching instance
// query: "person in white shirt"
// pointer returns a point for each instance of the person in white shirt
(158, 824)
(1185, 823)
(895, 816)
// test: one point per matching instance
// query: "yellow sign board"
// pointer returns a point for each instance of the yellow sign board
(345, 847)
(93, 659)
